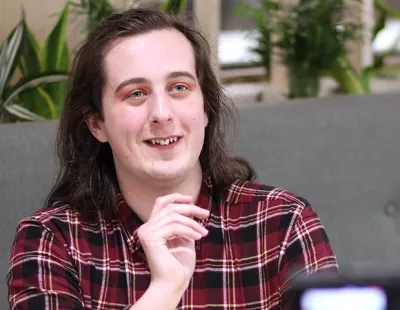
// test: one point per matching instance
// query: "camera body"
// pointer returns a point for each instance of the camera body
(353, 291)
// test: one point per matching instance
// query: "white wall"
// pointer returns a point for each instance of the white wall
(40, 14)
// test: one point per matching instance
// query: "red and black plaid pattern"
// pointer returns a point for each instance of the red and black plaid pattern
(259, 237)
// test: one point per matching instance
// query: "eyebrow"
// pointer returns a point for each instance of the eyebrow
(141, 80)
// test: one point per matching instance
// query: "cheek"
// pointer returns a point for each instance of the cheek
(124, 123)
(200, 120)
(197, 122)
(198, 127)
(195, 116)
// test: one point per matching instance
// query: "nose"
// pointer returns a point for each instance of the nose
(160, 109)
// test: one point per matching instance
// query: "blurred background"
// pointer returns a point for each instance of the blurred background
(264, 50)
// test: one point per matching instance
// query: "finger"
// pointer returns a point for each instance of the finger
(178, 230)
(162, 201)
(181, 220)
(189, 210)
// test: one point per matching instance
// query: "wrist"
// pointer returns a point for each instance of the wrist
(159, 295)
(167, 288)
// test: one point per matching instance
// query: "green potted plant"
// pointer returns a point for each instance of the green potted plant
(264, 16)
(52, 57)
(12, 100)
(98, 10)
(306, 37)
(173, 6)
(311, 38)
(383, 12)
(94, 11)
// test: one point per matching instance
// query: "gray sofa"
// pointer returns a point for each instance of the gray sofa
(340, 153)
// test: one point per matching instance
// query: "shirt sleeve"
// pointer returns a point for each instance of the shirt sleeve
(41, 273)
(308, 251)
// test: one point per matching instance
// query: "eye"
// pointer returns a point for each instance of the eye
(136, 94)
(179, 88)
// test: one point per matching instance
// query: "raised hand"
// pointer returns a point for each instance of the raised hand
(168, 239)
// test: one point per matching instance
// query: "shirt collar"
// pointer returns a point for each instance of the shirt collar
(130, 221)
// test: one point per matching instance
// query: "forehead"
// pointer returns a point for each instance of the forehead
(151, 55)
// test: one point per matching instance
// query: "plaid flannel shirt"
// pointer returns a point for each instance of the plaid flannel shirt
(258, 237)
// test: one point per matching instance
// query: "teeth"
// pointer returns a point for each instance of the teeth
(164, 142)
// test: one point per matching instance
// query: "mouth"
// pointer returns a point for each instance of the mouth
(163, 143)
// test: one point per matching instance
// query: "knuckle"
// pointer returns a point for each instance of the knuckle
(175, 227)
(174, 217)
(175, 209)
(159, 200)
(142, 232)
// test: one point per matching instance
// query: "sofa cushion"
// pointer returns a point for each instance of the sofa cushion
(340, 153)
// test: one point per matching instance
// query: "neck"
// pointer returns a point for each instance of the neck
(141, 195)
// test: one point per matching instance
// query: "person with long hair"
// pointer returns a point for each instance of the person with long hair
(150, 210)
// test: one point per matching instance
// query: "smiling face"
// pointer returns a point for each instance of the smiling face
(153, 108)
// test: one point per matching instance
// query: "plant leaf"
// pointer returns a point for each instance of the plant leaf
(29, 66)
(173, 6)
(38, 101)
(9, 56)
(58, 91)
(381, 5)
(53, 49)
(32, 100)
(32, 83)
(23, 113)
(29, 63)
(366, 76)
(55, 58)
(380, 24)
(49, 102)
(346, 76)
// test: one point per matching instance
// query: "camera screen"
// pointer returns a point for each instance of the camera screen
(344, 298)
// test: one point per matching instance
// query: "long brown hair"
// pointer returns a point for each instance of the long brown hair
(87, 179)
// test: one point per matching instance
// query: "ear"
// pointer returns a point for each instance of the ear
(96, 127)
(205, 119)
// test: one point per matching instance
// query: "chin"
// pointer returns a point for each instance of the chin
(166, 174)
(172, 171)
